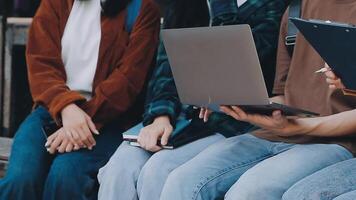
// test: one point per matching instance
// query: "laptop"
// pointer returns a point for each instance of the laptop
(215, 66)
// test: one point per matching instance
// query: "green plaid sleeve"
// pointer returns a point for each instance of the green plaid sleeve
(162, 97)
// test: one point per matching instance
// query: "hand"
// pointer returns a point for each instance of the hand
(78, 126)
(161, 128)
(59, 141)
(205, 114)
(277, 123)
(333, 81)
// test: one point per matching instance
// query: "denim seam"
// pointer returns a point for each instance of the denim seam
(224, 171)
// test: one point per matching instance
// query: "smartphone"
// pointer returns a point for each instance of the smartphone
(50, 128)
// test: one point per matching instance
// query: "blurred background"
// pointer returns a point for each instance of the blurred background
(15, 98)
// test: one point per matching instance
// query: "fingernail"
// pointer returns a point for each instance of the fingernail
(96, 132)
(48, 149)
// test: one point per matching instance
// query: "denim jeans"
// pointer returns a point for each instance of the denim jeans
(334, 182)
(245, 167)
(34, 174)
(133, 173)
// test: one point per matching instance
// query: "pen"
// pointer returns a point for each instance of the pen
(322, 70)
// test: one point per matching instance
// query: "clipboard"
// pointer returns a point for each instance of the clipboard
(336, 44)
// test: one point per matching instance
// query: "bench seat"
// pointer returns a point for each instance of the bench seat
(5, 149)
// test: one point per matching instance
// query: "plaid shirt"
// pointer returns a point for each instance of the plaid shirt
(264, 18)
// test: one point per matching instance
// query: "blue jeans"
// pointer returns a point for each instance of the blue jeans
(133, 173)
(245, 167)
(34, 174)
(335, 182)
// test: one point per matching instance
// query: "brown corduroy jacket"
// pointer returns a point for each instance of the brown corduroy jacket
(123, 64)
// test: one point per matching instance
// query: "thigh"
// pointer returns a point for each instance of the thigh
(348, 196)
(171, 159)
(29, 155)
(127, 159)
(212, 172)
(156, 170)
(280, 172)
(327, 183)
(75, 174)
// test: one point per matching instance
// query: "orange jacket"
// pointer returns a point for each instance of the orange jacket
(124, 61)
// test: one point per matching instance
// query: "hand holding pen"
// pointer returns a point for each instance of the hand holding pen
(333, 81)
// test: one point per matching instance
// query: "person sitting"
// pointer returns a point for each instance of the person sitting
(86, 69)
(336, 182)
(267, 162)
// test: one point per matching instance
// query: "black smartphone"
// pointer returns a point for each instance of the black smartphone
(50, 128)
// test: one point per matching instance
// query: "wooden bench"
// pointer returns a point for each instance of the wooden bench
(5, 148)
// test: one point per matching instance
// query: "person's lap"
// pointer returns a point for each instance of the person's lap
(134, 173)
(281, 171)
(327, 184)
(32, 171)
(210, 174)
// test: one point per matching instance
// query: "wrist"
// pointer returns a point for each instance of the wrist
(162, 119)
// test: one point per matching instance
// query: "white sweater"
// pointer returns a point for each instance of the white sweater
(80, 45)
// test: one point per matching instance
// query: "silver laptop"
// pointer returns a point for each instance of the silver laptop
(215, 66)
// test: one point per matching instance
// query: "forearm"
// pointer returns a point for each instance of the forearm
(337, 125)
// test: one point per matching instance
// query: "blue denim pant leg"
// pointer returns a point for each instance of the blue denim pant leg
(133, 173)
(29, 162)
(348, 196)
(118, 178)
(73, 176)
(157, 169)
(326, 184)
(271, 178)
(210, 174)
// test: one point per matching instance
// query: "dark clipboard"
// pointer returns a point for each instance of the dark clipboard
(336, 44)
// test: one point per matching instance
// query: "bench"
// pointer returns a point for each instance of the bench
(5, 148)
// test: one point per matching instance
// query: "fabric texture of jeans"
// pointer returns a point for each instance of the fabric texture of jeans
(327, 184)
(246, 167)
(133, 173)
(34, 174)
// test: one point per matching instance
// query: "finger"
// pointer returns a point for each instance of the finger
(76, 147)
(89, 135)
(206, 115)
(166, 135)
(84, 136)
(155, 149)
(70, 136)
(50, 139)
(69, 147)
(277, 115)
(53, 148)
(63, 146)
(240, 112)
(201, 114)
(331, 81)
(228, 111)
(92, 126)
(77, 139)
(152, 142)
(330, 75)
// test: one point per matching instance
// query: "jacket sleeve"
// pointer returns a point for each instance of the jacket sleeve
(46, 72)
(283, 59)
(118, 92)
(162, 97)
